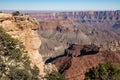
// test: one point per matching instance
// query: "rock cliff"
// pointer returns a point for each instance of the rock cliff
(24, 29)
(81, 16)
(102, 19)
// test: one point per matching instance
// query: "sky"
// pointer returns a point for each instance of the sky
(58, 5)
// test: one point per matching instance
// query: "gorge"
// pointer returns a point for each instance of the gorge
(74, 41)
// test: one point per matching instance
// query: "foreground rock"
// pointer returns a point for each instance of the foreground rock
(24, 29)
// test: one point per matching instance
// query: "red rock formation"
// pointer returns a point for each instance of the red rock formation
(74, 68)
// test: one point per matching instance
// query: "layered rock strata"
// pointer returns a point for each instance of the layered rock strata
(82, 16)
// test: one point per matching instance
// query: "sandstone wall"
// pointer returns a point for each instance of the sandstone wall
(24, 29)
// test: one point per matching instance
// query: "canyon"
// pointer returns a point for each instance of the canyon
(59, 30)
(59, 36)
(73, 41)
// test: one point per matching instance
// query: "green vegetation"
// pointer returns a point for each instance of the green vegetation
(16, 13)
(14, 63)
(105, 71)
(54, 75)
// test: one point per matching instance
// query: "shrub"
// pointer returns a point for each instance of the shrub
(16, 13)
(105, 71)
(54, 75)
(14, 63)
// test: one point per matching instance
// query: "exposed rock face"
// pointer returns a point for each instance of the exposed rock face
(24, 29)
(74, 67)
(82, 16)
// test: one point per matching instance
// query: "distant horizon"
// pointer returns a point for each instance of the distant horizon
(58, 10)
(54, 10)
(60, 5)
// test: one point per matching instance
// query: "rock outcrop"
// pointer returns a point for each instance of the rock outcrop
(76, 50)
(74, 67)
(24, 29)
